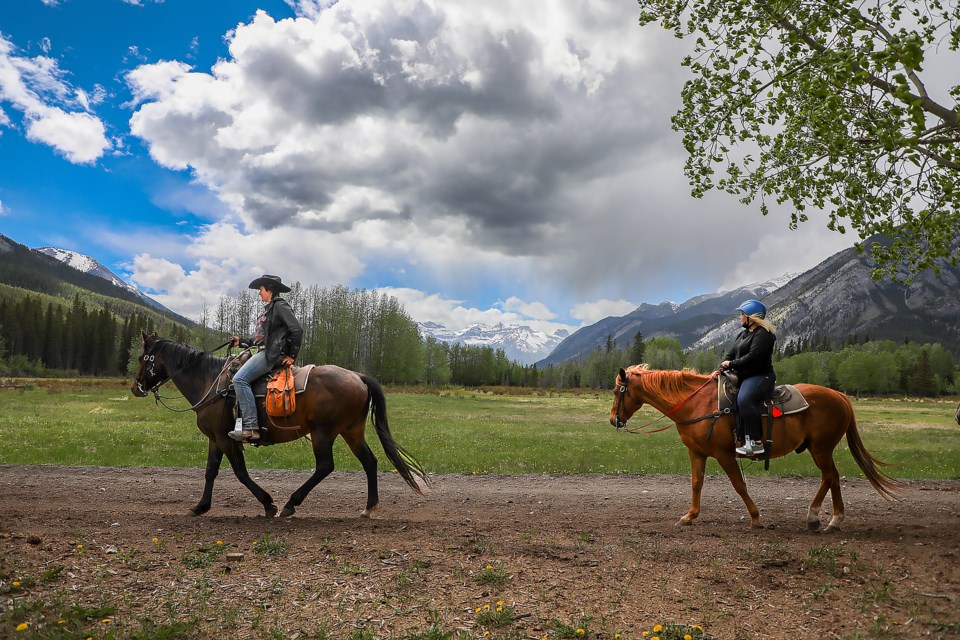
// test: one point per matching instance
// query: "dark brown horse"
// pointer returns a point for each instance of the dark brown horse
(818, 429)
(335, 403)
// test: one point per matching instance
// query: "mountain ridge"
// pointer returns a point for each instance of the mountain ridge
(519, 342)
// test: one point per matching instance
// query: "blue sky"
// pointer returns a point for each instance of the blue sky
(483, 162)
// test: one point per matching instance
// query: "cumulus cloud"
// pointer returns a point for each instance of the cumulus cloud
(590, 312)
(523, 148)
(36, 87)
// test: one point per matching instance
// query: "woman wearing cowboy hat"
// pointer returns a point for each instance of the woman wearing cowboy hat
(278, 336)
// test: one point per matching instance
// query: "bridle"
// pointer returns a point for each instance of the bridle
(621, 423)
(151, 357)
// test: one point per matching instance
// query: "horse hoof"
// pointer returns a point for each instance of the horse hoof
(269, 511)
(831, 529)
(198, 510)
(287, 512)
(756, 526)
(684, 523)
(813, 525)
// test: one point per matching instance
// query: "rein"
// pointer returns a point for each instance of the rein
(622, 424)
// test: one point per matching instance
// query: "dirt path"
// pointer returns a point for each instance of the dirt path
(552, 548)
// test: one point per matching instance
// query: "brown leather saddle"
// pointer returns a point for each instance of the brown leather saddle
(783, 400)
(300, 375)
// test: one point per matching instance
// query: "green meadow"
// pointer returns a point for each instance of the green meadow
(98, 422)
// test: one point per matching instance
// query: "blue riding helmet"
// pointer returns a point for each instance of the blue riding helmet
(753, 308)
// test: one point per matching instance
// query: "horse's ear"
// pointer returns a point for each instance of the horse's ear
(143, 334)
(622, 377)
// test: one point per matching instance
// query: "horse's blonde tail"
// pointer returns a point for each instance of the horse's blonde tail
(884, 484)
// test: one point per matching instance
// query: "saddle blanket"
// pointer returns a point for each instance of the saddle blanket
(300, 376)
(784, 400)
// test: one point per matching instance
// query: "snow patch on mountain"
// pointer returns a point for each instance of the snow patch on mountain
(520, 343)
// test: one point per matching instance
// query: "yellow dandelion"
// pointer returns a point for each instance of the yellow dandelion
(687, 636)
(616, 636)
(79, 546)
(22, 626)
(645, 634)
(154, 540)
(657, 628)
(16, 584)
(655, 638)
(61, 622)
(499, 603)
(698, 627)
(580, 631)
(489, 566)
(106, 620)
(219, 542)
(486, 633)
(478, 610)
(486, 607)
(499, 609)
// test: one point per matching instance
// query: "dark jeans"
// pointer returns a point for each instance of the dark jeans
(749, 406)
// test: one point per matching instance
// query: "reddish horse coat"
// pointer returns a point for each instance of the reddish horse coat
(818, 429)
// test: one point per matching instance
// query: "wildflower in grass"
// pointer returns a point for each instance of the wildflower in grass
(687, 636)
(154, 540)
(219, 542)
(106, 621)
(16, 583)
(22, 626)
(580, 631)
(657, 628)
(80, 547)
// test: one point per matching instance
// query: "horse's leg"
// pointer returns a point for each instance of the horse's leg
(234, 452)
(358, 445)
(214, 458)
(829, 479)
(323, 452)
(698, 465)
(732, 469)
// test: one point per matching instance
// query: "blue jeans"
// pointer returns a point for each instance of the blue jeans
(252, 369)
(752, 391)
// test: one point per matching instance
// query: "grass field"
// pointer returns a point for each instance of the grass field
(99, 423)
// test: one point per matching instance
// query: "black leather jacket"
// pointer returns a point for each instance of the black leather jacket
(752, 353)
(282, 332)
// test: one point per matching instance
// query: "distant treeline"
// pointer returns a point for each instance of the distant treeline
(372, 332)
(880, 367)
(68, 340)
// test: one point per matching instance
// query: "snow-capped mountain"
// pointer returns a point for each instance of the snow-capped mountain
(519, 342)
(86, 264)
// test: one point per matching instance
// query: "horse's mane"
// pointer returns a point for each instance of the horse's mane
(185, 359)
(671, 385)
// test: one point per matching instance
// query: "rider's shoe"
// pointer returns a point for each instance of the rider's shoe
(750, 448)
(246, 435)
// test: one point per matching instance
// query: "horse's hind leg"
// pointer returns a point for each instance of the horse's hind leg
(323, 452)
(358, 445)
(214, 458)
(235, 456)
(829, 480)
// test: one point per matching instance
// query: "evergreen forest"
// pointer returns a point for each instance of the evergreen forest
(42, 335)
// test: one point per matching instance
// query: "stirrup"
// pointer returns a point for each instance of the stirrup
(247, 435)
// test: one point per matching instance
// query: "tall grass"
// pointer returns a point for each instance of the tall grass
(99, 423)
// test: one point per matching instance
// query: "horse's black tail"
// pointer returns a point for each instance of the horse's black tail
(407, 466)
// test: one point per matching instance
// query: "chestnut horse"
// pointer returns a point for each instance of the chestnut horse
(686, 398)
(335, 403)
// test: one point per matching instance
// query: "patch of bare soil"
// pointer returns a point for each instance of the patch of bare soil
(599, 552)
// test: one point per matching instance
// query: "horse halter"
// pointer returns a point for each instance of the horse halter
(620, 397)
(150, 356)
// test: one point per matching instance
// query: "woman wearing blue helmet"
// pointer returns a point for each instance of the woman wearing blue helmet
(751, 358)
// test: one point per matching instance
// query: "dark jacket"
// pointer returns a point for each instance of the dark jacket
(752, 353)
(282, 332)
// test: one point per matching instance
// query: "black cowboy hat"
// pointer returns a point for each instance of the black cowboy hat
(270, 282)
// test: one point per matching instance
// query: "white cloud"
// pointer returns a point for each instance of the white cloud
(50, 3)
(591, 312)
(2, 210)
(35, 86)
(499, 150)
